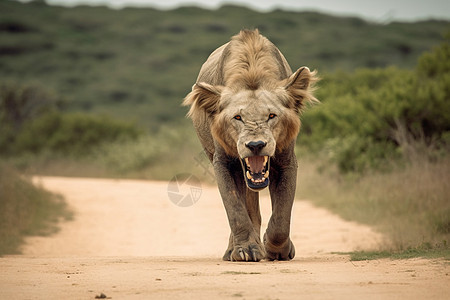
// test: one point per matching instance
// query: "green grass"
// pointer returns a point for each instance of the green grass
(26, 210)
(425, 250)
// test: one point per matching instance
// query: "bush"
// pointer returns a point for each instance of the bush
(159, 156)
(20, 104)
(372, 116)
(432, 93)
(32, 122)
(131, 156)
(72, 134)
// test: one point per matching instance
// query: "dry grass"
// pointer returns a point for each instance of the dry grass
(25, 210)
(410, 205)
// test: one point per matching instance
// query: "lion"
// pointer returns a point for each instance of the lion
(245, 107)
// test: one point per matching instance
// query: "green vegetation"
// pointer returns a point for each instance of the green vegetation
(370, 116)
(424, 250)
(137, 64)
(25, 210)
(387, 132)
(34, 129)
(96, 92)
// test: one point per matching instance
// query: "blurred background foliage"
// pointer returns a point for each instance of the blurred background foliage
(72, 79)
(138, 63)
(91, 91)
(373, 115)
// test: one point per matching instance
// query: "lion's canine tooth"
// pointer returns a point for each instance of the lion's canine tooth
(266, 174)
(248, 175)
(266, 158)
(246, 161)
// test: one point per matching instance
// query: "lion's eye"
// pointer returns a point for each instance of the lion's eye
(237, 117)
(271, 116)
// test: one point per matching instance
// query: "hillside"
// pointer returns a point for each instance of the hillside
(139, 63)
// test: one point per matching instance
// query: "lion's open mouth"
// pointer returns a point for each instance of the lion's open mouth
(256, 171)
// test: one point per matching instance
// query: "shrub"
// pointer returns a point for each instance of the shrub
(72, 134)
(373, 115)
(131, 156)
(20, 104)
(32, 122)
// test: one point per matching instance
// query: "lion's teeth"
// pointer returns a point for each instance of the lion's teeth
(248, 175)
(246, 161)
(266, 158)
(266, 174)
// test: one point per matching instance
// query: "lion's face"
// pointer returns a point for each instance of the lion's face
(253, 124)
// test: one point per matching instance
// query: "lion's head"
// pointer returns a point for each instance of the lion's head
(252, 124)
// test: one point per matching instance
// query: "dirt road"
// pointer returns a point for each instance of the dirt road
(128, 240)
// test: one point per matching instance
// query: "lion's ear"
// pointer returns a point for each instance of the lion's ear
(300, 87)
(204, 97)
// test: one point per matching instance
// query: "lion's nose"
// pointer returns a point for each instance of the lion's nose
(256, 147)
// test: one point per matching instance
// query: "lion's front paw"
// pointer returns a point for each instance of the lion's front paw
(245, 252)
(251, 252)
(285, 251)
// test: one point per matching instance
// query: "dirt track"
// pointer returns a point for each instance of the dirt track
(128, 240)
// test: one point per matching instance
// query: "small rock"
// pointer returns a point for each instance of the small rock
(101, 296)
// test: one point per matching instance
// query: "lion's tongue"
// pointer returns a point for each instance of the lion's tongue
(256, 164)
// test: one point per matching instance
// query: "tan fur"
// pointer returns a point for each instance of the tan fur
(251, 65)
(301, 86)
(247, 95)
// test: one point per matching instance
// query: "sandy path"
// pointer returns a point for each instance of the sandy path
(128, 240)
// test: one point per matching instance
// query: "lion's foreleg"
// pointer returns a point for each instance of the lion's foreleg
(277, 242)
(245, 243)
(252, 204)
